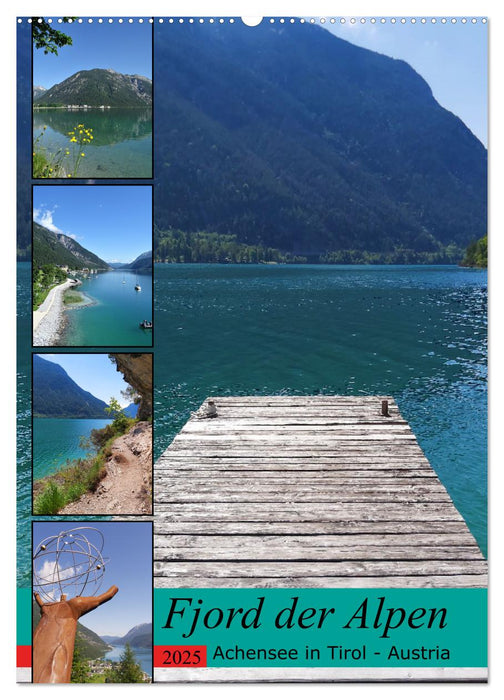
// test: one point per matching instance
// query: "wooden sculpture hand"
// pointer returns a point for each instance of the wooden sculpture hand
(54, 638)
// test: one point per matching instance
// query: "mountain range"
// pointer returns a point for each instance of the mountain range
(58, 249)
(38, 91)
(138, 636)
(56, 395)
(290, 137)
(142, 262)
(98, 87)
(131, 410)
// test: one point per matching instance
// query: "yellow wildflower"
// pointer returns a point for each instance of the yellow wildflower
(82, 155)
(73, 140)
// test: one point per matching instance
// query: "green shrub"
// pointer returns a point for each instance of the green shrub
(50, 501)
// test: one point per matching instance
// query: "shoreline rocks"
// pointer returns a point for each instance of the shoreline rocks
(49, 329)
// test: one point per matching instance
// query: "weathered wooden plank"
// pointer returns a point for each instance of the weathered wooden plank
(284, 476)
(270, 463)
(296, 451)
(431, 581)
(299, 411)
(299, 497)
(290, 428)
(280, 569)
(313, 512)
(209, 542)
(377, 448)
(405, 527)
(298, 438)
(333, 490)
(303, 421)
(320, 553)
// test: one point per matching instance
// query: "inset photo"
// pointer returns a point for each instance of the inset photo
(92, 99)
(92, 434)
(102, 571)
(92, 266)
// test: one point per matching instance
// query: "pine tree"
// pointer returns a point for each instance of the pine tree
(128, 670)
(80, 667)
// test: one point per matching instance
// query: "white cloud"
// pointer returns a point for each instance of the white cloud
(44, 217)
(51, 572)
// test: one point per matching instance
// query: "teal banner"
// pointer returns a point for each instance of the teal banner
(320, 627)
(24, 617)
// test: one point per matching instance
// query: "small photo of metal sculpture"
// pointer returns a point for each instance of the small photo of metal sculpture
(101, 570)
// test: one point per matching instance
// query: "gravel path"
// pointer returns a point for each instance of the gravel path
(127, 488)
(48, 319)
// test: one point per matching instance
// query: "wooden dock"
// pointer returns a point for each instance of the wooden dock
(308, 491)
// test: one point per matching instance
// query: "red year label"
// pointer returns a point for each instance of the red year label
(179, 656)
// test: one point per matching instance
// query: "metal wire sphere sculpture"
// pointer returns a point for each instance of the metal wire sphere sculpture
(69, 564)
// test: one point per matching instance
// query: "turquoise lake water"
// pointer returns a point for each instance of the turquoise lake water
(57, 439)
(418, 333)
(121, 146)
(143, 657)
(115, 317)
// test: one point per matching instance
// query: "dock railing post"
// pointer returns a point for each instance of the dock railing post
(384, 408)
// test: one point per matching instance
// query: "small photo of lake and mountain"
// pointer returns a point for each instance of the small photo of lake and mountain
(92, 99)
(92, 434)
(105, 571)
(92, 266)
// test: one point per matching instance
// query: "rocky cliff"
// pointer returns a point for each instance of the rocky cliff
(137, 371)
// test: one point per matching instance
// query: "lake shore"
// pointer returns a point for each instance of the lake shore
(48, 319)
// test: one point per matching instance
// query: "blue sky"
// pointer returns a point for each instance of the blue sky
(94, 373)
(451, 57)
(129, 549)
(112, 221)
(126, 48)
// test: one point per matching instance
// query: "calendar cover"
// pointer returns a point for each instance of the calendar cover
(252, 349)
